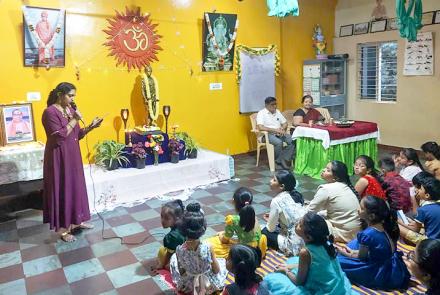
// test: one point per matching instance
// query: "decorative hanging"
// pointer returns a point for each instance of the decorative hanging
(150, 92)
(282, 8)
(408, 26)
(253, 51)
(133, 40)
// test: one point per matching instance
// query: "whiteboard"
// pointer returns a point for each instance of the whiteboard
(257, 80)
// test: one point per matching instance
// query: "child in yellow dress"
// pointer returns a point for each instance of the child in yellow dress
(243, 225)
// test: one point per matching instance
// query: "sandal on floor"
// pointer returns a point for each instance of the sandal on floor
(67, 237)
(86, 225)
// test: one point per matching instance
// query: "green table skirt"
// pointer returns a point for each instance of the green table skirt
(311, 157)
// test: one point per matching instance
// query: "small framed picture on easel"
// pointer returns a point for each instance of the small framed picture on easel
(17, 123)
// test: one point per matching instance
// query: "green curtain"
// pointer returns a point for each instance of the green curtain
(311, 157)
(282, 8)
(408, 26)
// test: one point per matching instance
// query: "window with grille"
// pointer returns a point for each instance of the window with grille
(377, 71)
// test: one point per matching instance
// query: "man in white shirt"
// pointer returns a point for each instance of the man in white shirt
(271, 120)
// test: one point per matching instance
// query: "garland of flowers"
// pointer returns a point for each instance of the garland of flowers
(253, 51)
(34, 33)
(151, 95)
(221, 55)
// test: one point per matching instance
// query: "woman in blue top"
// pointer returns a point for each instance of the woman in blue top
(372, 259)
(316, 271)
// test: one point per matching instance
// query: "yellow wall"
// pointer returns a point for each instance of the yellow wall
(212, 117)
(296, 39)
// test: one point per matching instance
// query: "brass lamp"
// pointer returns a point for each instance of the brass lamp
(124, 116)
(166, 113)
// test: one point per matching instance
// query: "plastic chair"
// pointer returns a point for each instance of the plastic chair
(325, 113)
(260, 144)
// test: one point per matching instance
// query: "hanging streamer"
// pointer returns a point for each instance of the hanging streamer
(409, 25)
(282, 8)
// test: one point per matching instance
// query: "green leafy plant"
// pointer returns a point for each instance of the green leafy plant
(190, 144)
(109, 154)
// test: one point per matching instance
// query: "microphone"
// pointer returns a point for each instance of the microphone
(75, 107)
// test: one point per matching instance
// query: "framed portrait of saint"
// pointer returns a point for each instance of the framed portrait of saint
(219, 34)
(44, 37)
(17, 123)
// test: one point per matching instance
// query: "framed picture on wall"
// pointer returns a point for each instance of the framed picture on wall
(428, 18)
(218, 39)
(378, 26)
(17, 123)
(437, 17)
(44, 37)
(391, 24)
(361, 28)
(345, 31)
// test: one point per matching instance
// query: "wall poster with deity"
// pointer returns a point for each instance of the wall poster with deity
(219, 34)
(44, 37)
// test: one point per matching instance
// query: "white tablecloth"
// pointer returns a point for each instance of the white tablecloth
(324, 136)
(109, 189)
(21, 162)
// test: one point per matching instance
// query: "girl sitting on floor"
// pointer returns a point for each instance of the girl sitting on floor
(432, 156)
(369, 183)
(316, 271)
(372, 260)
(286, 209)
(170, 217)
(423, 264)
(244, 225)
(409, 164)
(427, 190)
(194, 267)
(243, 262)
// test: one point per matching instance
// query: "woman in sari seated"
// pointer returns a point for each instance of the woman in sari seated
(306, 113)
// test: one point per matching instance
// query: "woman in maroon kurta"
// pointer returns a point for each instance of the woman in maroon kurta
(65, 201)
(307, 113)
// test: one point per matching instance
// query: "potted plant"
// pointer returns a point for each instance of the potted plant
(140, 153)
(191, 146)
(175, 146)
(110, 154)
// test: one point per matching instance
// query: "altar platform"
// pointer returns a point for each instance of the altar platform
(126, 187)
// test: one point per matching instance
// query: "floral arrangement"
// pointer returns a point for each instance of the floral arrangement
(154, 142)
(175, 146)
(139, 150)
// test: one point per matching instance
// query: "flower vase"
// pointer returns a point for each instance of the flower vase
(174, 158)
(140, 163)
(156, 158)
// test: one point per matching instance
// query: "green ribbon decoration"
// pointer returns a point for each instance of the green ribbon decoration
(282, 8)
(408, 26)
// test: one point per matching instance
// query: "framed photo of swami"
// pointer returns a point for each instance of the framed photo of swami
(17, 123)
(44, 37)
(345, 31)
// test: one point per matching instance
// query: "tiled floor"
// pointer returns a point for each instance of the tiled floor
(34, 261)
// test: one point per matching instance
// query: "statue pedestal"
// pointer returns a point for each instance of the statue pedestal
(321, 56)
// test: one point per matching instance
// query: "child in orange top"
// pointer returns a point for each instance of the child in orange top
(369, 183)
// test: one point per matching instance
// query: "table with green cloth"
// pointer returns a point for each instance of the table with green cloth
(318, 145)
